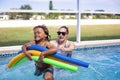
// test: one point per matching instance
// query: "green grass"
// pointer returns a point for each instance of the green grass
(19, 36)
(100, 32)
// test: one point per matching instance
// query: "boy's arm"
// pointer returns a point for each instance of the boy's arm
(52, 49)
(24, 49)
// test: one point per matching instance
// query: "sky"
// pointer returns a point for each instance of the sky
(106, 5)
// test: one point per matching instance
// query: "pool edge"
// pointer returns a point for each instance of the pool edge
(82, 44)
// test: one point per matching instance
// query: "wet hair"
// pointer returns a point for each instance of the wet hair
(65, 28)
(46, 31)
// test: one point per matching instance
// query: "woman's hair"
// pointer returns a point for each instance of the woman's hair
(65, 28)
(46, 31)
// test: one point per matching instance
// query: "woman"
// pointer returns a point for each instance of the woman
(63, 45)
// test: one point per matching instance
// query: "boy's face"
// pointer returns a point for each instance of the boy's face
(39, 34)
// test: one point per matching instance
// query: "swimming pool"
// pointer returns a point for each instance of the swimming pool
(104, 65)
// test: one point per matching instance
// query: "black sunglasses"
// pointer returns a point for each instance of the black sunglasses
(63, 33)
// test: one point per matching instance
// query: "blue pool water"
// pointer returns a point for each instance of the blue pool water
(104, 65)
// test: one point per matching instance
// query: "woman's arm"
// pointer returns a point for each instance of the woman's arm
(70, 47)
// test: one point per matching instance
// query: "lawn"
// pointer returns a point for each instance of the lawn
(100, 32)
(19, 36)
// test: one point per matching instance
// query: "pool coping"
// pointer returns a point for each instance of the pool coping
(94, 43)
(82, 44)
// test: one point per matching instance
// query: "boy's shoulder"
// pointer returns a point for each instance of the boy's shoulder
(30, 43)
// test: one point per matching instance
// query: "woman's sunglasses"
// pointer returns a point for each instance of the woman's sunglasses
(63, 33)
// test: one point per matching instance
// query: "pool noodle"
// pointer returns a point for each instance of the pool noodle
(49, 61)
(60, 56)
(21, 55)
(35, 47)
(74, 61)
(20, 59)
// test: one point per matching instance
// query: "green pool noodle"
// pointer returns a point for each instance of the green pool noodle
(60, 64)
(49, 61)
(20, 61)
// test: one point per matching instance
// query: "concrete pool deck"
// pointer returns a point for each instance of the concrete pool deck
(81, 44)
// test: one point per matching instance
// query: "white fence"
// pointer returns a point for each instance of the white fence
(27, 23)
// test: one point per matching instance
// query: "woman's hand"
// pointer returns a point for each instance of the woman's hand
(62, 49)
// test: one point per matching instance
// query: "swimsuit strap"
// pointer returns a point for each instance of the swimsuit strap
(64, 45)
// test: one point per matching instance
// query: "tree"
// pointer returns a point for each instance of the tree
(12, 15)
(26, 15)
(25, 7)
(50, 5)
(52, 15)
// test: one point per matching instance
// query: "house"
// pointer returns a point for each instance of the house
(4, 17)
(37, 17)
(67, 16)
